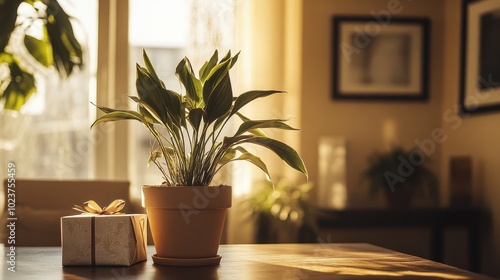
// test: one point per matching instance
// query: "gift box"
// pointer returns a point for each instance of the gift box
(103, 240)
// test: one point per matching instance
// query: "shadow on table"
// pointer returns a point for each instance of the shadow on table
(142, 270)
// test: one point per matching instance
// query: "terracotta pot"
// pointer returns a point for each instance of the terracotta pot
(186, 222)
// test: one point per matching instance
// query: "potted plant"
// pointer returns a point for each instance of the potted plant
(283, 212)
(190, 145)
(400, 174)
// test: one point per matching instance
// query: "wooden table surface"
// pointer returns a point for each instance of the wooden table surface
(252, 261)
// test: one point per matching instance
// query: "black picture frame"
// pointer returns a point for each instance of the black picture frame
(480, 68)
(400, 46)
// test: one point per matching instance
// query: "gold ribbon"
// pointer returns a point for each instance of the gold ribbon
(91, 207)
(138, 225)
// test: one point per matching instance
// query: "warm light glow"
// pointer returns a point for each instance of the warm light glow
(332, 172)
(349, 262)
(389, 133)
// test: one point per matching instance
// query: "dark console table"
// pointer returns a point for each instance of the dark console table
(434, 218)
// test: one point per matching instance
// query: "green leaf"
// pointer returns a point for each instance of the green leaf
(66, 50)
(233, 60)
(150, 111)
(175, 110)
(20, 88)
(195, 117)
(226, 57)
(146, 88)
(285, 152)
(257, 131)
(184, 73)
(41, 50)
(215, 76)
(6, 58)
(208, 66)
(120, 115)
(217, 92)
(255, 160)
(220, 101)
(249, 96)
(229, 141)
(229, 155)
(220, 120)
(250, 125)
(106, 109)
(151, 68)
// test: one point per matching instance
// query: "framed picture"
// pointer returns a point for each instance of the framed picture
(480, 88)
(378, 60)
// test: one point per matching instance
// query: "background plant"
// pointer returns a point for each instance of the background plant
(283, 212)
(285, 202)
(383, 165)
(54, 45)
(189, 144)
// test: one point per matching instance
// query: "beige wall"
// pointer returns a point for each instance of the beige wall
(477, 136)
(360, 122)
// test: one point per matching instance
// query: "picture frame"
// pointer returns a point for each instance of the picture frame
(375, 59)
(480, 71)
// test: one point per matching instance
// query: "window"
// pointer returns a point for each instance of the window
(168, 31)
(54, 141)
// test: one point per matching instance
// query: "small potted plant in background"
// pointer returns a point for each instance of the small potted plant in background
(401, 175)
(283, 212)
(190, 145)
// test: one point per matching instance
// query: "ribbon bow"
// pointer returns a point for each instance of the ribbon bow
(91, 207)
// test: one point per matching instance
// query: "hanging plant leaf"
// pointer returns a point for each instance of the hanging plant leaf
(41, 50)
(66, 50)
(20, 88)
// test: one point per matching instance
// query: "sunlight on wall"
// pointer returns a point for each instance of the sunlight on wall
(332, 189)
(389, 133)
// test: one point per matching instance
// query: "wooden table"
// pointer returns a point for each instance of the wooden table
(436, 219)
(262, 261)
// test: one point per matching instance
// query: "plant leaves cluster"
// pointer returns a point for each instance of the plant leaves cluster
(285, 202)
(57, 47)
(189, 144)
(400, 169)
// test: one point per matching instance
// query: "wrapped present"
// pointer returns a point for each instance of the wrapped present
(103, 237)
